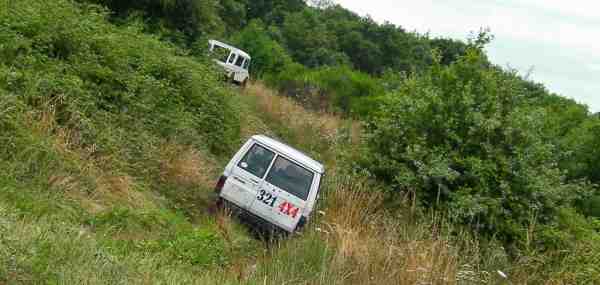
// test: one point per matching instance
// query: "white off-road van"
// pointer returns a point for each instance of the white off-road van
(272, 183)
(234, 61)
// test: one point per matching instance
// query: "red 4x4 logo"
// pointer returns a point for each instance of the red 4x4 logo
(289, 209)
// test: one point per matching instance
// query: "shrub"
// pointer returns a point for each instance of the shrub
(582, 144)
(335, 89)
(186, 17)
(268, 56)
(101, 78)
(462, 138)
(351, 91)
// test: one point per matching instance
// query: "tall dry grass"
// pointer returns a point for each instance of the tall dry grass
(85, 176)
(356, 241)
(186, 166)
(290, 113)
(305, 126)
(375, 246)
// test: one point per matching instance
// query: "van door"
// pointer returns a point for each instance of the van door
(282, 197)
(240, 73)
(247, 175)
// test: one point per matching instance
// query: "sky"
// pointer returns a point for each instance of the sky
(556, 42)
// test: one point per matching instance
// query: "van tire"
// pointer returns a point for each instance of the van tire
(301, 224)
(222, 205)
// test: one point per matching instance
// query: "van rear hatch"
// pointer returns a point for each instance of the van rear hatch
(283, 194)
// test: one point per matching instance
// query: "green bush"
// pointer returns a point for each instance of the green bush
(351, 91)
(335, 89)
(582, 145)
(309, 41)
(463, 138)
(101, 78)
(591, 206)
(268, 56)
(180, 21)
(82, 100)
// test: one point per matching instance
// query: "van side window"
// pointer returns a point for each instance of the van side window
(290, 177)
(246, 63)
(231, 58)
(239, 61)
(221, 53)
(257, 160)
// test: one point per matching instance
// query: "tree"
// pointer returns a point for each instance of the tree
(309, 41)
(321, 4)
(464, 139)
(234, 14)
(583, 143)
(190, 17)
(273, 11)
(267, 55)
(450, 50)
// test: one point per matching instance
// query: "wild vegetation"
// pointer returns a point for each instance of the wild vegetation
(442, 168)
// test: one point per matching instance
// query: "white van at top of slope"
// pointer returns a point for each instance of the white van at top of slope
(234, 60)
(273, 182)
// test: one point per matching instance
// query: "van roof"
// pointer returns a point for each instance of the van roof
(232, 48)
(291, 152)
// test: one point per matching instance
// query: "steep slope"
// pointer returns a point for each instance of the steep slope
(111, 140)
(108, 139)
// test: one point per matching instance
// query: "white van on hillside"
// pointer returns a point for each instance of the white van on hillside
(234, 61)
(272, 183)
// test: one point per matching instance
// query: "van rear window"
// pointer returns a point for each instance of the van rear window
(290, 177)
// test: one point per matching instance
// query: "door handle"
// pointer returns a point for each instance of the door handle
(239, 180)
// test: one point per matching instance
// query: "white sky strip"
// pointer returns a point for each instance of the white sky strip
(558, 40)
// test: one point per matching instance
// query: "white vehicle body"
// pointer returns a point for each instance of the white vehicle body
(234, 61)
(272, 181)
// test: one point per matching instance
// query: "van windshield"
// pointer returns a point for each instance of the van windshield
(290, 177)
(257, 160)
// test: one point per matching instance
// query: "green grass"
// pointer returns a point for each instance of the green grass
(111, 142)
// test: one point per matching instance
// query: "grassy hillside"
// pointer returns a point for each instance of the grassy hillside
(112, 139)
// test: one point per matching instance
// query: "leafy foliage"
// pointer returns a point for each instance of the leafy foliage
(268, 56)
(87, 107)
(584, 139)
(280, 33)
(463, 138)
(89, 69)
(190, 19)
(334, 89)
